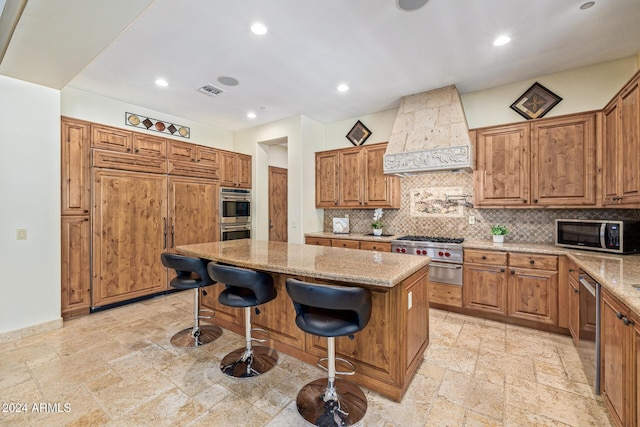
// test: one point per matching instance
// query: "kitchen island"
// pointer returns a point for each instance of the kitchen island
(386, 353)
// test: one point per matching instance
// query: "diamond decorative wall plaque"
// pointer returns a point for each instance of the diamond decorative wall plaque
(535, 102)
(138, 121)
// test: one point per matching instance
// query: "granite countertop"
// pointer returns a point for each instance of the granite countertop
(381, 269)
(620, 274)
(353, 236)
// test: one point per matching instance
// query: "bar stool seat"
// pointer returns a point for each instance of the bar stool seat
(247, 289)
(191, 274)
(330, 311)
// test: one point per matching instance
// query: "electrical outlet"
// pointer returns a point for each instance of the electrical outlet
(410, 300)
(472, 219)
(21, 234)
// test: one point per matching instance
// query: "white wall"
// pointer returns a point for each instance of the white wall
(30, 193)
(581, 89)
(380, 125)
(278, 156)
(304, 137)
(99, 109)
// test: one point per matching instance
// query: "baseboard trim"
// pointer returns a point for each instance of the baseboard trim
(51, 325)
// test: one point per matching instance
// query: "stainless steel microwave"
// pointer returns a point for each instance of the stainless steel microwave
(621, 237)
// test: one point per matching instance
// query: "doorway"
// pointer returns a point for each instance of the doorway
(278, 205)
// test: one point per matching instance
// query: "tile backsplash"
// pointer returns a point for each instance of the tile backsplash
(525, 225)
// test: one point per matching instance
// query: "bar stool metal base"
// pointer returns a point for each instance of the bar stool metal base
(204, 335)
(247, 363)
(349, 408)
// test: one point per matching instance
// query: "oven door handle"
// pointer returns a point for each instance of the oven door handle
(440, 265)
(227, 197)
(236, 227)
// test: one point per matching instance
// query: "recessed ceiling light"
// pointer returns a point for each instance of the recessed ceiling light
(410, 5)
(228, 81)
(502, 40)
(251, 115)
(587, 5)
(162, 82)
(343, 88)
(259, 28)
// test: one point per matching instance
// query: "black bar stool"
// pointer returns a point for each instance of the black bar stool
(330, 311)
(246, 288)
(191, 274)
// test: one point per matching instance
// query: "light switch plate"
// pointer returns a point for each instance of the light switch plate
(21, 234)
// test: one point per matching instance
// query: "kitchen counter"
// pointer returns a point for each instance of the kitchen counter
(620, 274)
(386, 353)
(353, 236)
(320, 262)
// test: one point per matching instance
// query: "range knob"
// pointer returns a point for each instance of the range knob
(440, 253)
(398, 250)
(447, 254)
(404, 250)
(422, 252)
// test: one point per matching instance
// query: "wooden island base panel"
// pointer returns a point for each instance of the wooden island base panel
(386, 353)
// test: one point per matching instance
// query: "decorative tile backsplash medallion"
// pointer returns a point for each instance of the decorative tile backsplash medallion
(148, 123)
(432, 202)
(525, 225)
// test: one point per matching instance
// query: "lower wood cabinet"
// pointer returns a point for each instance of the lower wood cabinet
(76, 275)
(620, 337)
(498, 283)
(367, 245)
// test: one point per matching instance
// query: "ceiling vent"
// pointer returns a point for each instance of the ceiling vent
(211, 90)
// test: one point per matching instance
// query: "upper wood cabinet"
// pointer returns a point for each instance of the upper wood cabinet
(235, 170)
(115, 148)
(502, 169)
(75, 172)
(354, 178)
(621, 154)
(547, 162)
(193, 160)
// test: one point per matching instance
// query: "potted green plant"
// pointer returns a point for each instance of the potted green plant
(498, 232)
(377, 224)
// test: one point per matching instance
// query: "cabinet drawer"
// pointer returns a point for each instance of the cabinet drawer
(147, 145)
(126, 161)
(193, 170)
(485, 257)
(533, 261)
(320, 241)
(340, 243)
(111, 138)
(375, 246)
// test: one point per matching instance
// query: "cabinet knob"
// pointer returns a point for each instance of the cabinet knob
(86, 211)
(524, 201)
(571, 270)
(484, 257)
(128, 149)
(532, 262)
(619, 315)
(502, 270)
(535, 200)
(513, 272)
(137, 150)
(576, 291)
(626, 321)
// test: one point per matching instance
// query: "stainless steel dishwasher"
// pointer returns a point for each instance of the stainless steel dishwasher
(589, 350)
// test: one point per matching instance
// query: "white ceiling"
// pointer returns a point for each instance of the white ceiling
(312, 46)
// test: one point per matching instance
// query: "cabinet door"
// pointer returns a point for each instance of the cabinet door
(350, 172)
(611, 154)
(614, 352)
(112, 139)
(574, 309)
(75, 172)
(485, 288)
(630, 140)
(502, 174)
(380, 190)
(563, 155)
(243, 170)
(129, 234)
(533, 295)
(228, 165)
(181, 151)
(76, 271)
(207, 156)
(327, 180)
(150, 146)
(193, 211)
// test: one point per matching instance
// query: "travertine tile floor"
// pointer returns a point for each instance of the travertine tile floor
(117, 368)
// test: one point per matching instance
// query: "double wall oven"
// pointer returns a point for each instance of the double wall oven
(445, 253)
(235, 214)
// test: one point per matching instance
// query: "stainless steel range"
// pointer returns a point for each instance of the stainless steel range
(445, 253)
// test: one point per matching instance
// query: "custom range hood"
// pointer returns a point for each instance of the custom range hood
(430, 134)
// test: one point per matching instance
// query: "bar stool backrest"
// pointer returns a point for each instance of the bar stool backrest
(185, 268)
(259, 283)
